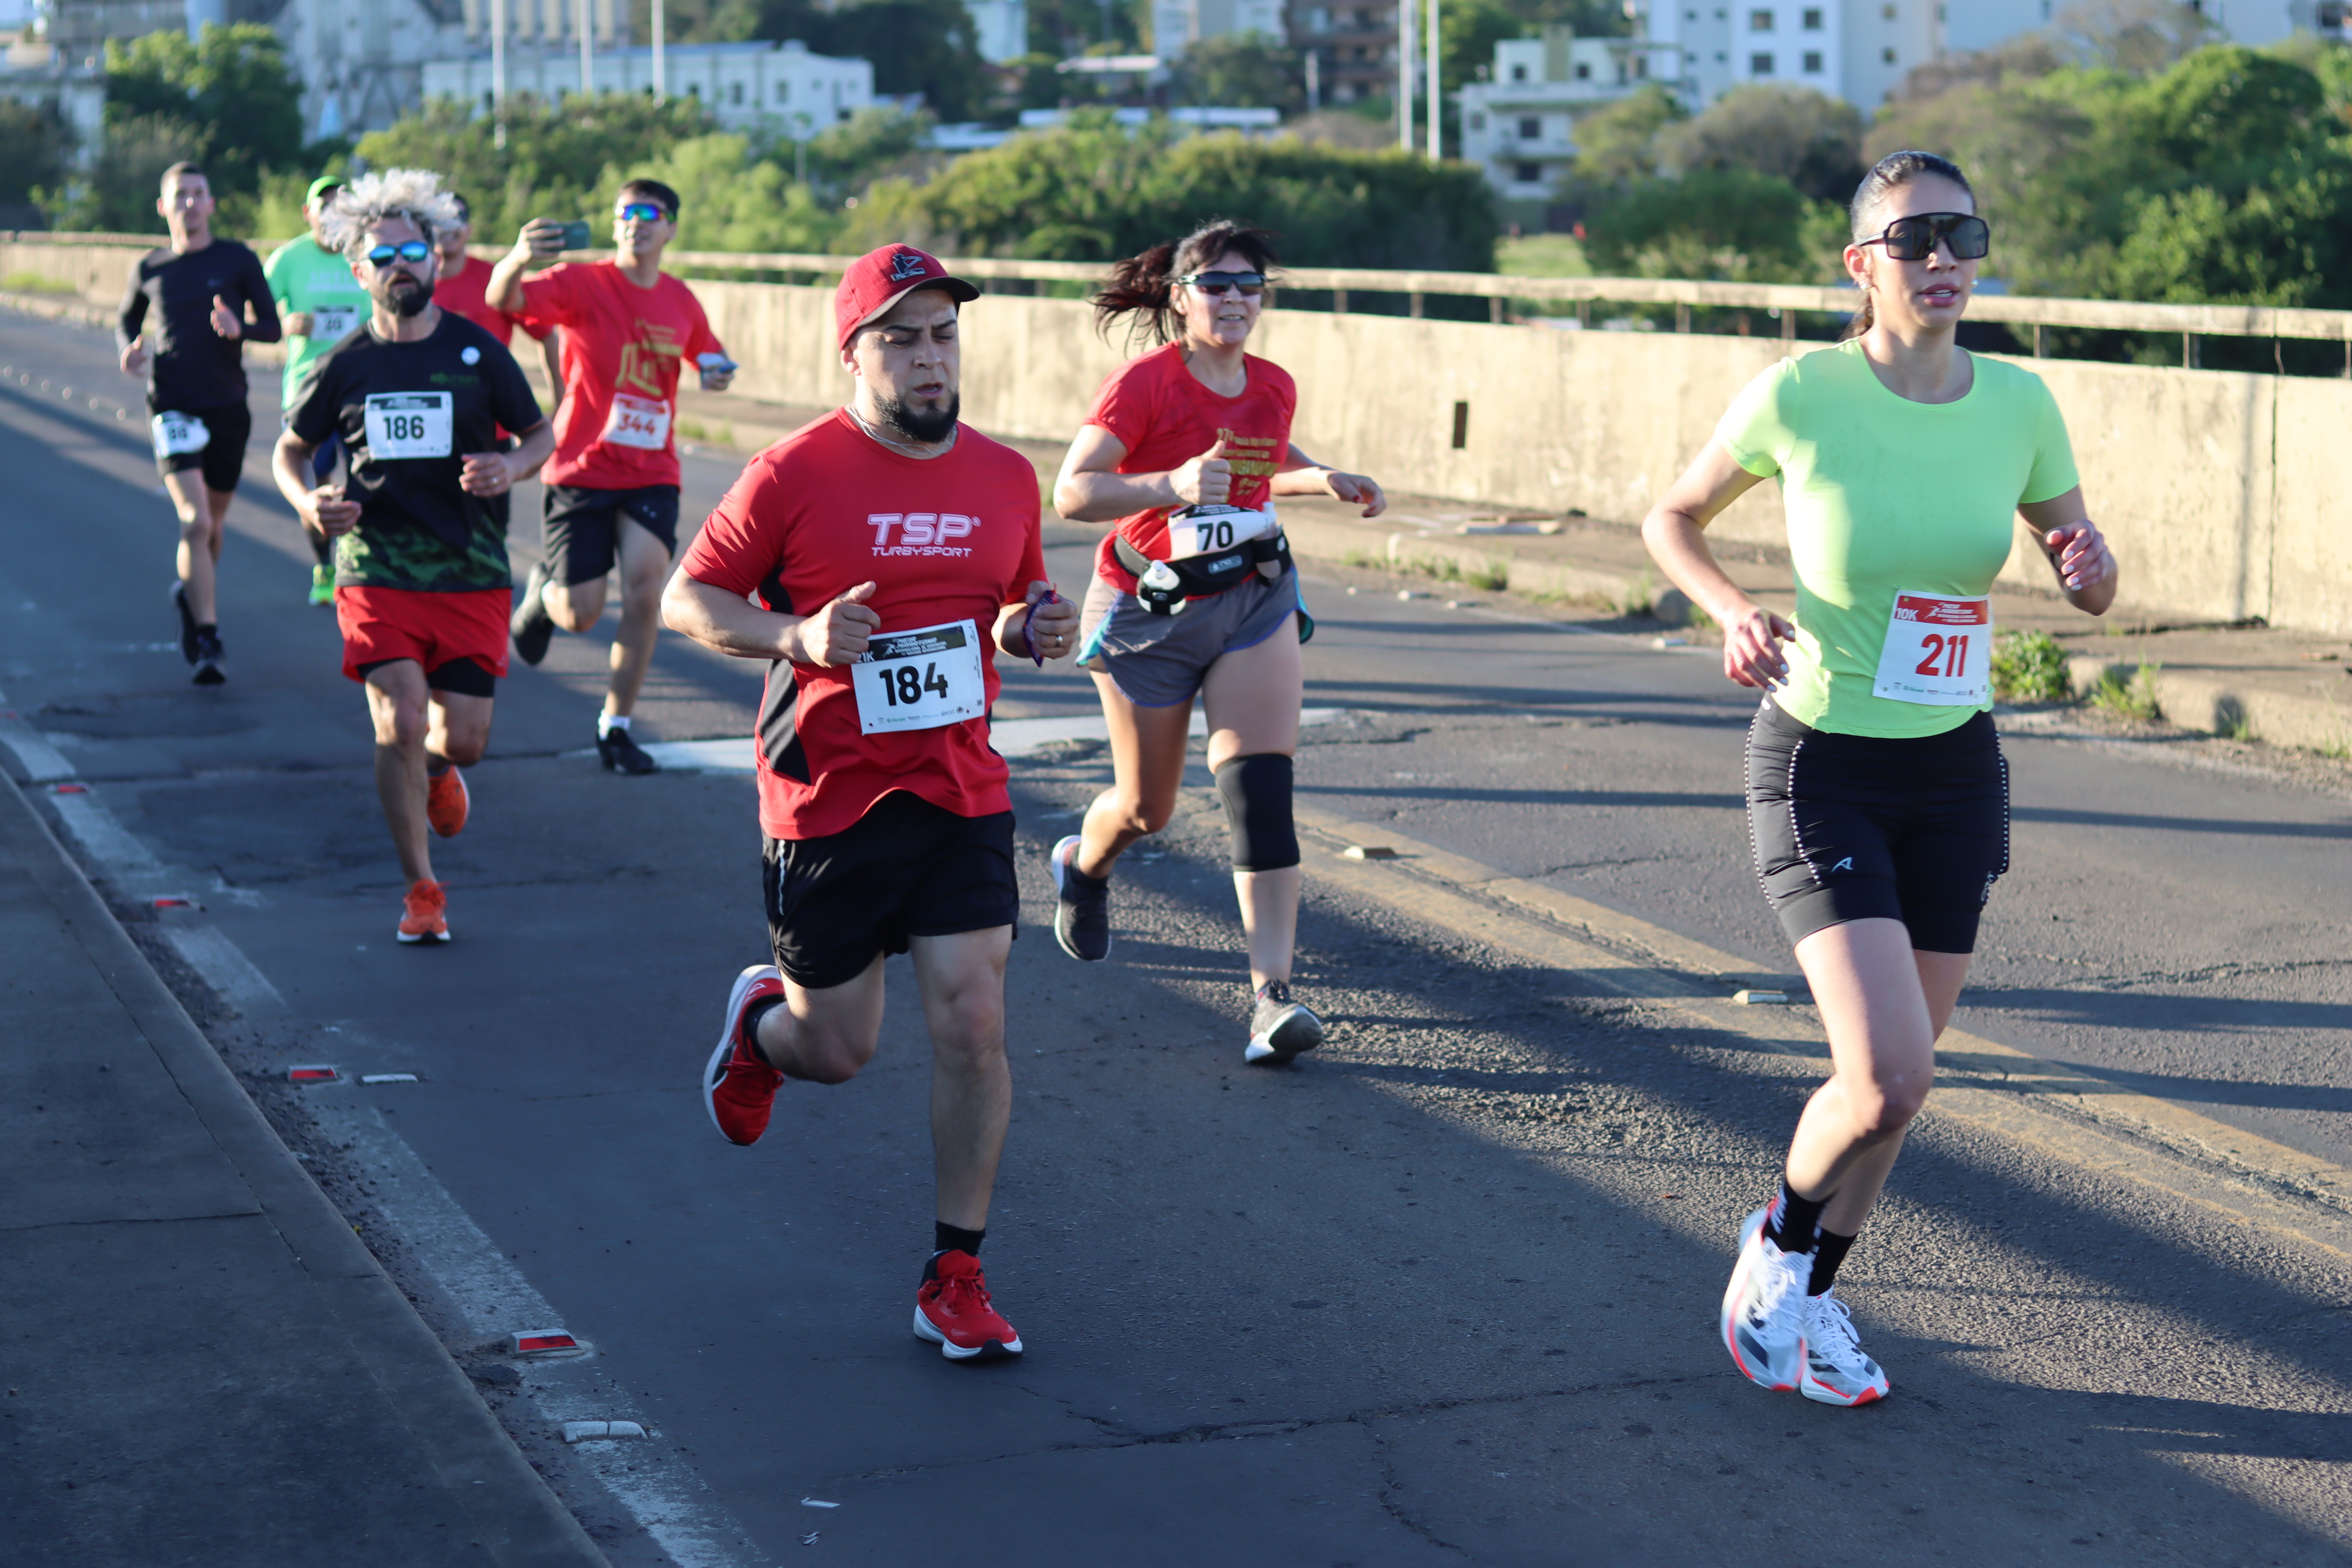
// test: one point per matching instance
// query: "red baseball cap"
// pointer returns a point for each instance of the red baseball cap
(880, 279)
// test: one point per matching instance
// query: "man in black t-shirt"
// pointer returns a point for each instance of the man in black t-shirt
(418, 397)
(201, 290)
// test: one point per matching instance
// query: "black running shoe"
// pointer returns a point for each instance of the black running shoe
(1280, 1027)
(187, 622)
(621, 754)
(531, 625)
(1082, 919)
(212, 659)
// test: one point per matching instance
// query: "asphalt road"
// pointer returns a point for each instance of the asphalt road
(1444, 1292)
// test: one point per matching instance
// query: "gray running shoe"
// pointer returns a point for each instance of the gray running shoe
(531, 625)
(211, 660)
(1280, 1027)
(1082, 919)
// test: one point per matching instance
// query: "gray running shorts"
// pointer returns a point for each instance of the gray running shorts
(1157, 662)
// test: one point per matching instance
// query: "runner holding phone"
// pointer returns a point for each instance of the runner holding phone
(320, 303)
(629, 330)
(1877, 795)
(1194, 597)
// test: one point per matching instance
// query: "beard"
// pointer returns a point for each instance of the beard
(929, 427)
(408, 301)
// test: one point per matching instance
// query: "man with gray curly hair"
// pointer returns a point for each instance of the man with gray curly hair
(419, 398)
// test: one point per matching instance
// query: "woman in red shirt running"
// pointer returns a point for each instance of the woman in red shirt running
(1195, 594)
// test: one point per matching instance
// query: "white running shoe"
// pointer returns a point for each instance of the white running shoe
(1836, 1371)
(1763, 1318)
(1082, 907)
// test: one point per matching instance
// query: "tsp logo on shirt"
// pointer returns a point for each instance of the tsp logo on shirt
(921, 532)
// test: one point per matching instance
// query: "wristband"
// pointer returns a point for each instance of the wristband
(1028, 626)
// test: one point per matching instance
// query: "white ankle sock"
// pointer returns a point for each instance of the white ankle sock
(608, 722)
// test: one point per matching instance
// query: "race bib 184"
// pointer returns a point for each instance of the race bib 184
(919, 680)
(410, 424)
(178, 434)
(641, 422)
(1206, 529)
(1938, 651)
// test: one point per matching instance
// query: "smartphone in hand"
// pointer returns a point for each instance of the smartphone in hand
(713, 365)
(576, 235)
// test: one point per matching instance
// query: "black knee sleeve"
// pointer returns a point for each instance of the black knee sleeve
(1256, 790)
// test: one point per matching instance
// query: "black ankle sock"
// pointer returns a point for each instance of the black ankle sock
(1831, 1253)
(1091, 884)
(206, 629)
(1794, 1221)
(946, 1237)
(753, 1016)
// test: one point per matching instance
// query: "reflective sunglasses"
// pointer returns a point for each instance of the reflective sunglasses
(408, 251)
(1915, 238)
(1215, 283)
(642, 212)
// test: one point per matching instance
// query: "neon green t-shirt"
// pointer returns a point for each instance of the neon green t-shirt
(305, 276)
(1884, 496)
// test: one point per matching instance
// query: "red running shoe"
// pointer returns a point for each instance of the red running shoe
(738, 1086)
(445, 801)
(425, 913)
(951, 1310)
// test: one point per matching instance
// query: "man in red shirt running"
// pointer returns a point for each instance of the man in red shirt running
(892, 552)
(612, 490)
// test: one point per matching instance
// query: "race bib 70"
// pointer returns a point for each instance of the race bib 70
(1208, 528)
(1938, 651)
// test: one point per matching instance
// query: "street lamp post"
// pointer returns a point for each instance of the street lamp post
(1435, 91)
(1405, 63)
(587, 46)
(499, 74)
(661, 82)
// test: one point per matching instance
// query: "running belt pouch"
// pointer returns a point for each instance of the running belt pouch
(1202, 577)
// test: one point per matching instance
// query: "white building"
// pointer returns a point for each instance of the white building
(1520, 126)
(1859, 50)
(1000, 29)
(763, 87)
(1178, 25)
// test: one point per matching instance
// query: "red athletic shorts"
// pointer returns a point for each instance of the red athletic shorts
(381, 624)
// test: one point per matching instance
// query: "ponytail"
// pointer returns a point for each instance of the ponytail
(1143, 286)
(1866, 214)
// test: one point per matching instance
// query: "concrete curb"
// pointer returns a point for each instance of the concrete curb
(520, 1520)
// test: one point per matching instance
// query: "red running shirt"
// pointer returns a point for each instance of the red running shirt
(943, 539)
(624, 348)
(467, 295)
(1165, 417)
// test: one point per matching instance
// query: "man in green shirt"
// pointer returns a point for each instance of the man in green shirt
(320, 302)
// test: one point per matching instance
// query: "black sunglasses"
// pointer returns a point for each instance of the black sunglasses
(1915, 238)
(1218, 282)
(408, 251)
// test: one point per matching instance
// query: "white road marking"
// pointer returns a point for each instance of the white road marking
(1013, 737)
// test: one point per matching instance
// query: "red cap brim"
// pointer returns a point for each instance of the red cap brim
(962, 292)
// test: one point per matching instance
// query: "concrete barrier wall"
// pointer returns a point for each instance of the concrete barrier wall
(2220, 490)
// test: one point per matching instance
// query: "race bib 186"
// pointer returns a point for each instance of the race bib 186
(639, 422)
(332, 323)
(177, 434)
(919, 680)
(1938, 651)
(1205, 530)
(410, 424)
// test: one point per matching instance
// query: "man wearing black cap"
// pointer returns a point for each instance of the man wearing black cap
(893, 552)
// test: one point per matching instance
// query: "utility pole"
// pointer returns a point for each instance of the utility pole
(1313, 81)
(1405, 63)
(1435, 90)
(661, 82)
(499, 74)
(587, 47)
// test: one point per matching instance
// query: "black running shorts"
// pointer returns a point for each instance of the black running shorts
(1850, 828)
(227, 428)
(580, 530)
(906, 868)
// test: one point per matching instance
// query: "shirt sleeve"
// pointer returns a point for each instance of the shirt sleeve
(1032, 560)
(549, 300)
(265, 327)
(2053, 452)
(1755, 428)
(512, 402)
(740, 546)
(315, 411)
(133, 314)
(278, 272)
(1124, 405)
(701, 340)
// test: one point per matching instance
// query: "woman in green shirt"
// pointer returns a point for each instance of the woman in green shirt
(1878, 798)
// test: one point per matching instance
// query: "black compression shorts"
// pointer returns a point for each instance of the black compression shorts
(906, 868)
(1850, 828)
(580, 531)
(227, 428)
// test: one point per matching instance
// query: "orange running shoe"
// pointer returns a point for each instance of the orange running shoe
(445, 801)
(424, 916)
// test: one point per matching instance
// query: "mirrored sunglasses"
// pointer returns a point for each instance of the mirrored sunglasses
(408, 251)
(1213, 283)
(1915, 238)
(640, 212)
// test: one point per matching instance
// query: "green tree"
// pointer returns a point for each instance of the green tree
(2141, 36)
(925, 46)
(1733, 226)
(36, 140)
(1807, 138)
(232, 89)
(1618, 143)
(727, 199)
(1242, 70)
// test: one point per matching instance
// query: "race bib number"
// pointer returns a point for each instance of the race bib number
(332, 323)
(1207, 529)
(638, 422)
(1938, 651)
(176, 434)
(919, 680)
(410, 424)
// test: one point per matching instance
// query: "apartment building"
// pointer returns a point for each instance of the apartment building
(1520, 126)
(774, 86)
(1859, 50)
(1354, 46)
